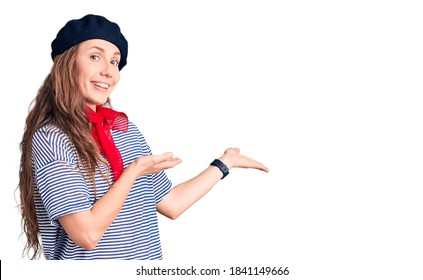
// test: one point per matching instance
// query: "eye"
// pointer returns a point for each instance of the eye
(115, 62)
(95, 57)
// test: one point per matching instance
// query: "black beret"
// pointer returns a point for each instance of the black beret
(89, 27)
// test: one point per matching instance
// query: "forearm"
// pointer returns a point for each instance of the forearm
(87, 228)
(184, 195)
(107, 208)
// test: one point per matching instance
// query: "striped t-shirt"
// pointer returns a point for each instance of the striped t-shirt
(62, 189)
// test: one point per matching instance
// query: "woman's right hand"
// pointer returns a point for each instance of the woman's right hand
(153, 164)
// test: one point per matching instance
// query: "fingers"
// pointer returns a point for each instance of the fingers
(235, 159)
(164, 161)
(262, 167)
(166, 164)
(252, 163)
(160, 158)
(153, 164)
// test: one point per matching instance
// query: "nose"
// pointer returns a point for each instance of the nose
(106, 70)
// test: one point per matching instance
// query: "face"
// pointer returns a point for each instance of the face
(97, 70)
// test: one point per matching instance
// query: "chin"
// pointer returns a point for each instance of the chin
(100, 102)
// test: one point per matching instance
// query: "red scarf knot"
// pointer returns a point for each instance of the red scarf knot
(103, 120)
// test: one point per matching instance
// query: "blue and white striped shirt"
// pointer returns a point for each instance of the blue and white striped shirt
(61, 188)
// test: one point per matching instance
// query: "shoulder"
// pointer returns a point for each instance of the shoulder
(50, 134)
(134, 131)
(49, 131)
(50, 143)
(132, 126)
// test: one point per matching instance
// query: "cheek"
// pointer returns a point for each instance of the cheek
(83, 83)
(81, 76)
(117, 77)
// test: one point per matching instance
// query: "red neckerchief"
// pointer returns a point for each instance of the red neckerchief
(103, 120)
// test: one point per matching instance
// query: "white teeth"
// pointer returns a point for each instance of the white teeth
(106, 86)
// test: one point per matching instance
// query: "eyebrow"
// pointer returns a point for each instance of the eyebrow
(103, 50)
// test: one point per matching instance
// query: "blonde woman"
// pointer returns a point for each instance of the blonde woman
(90, 187)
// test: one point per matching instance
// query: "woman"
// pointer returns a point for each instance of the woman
(89, 185)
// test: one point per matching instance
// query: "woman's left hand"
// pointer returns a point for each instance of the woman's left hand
(233, 158)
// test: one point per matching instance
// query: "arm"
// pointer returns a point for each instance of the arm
(182, 196)
(87, 227)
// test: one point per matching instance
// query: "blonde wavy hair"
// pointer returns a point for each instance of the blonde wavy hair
(57, 102)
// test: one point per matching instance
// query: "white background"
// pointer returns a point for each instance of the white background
(328, 94)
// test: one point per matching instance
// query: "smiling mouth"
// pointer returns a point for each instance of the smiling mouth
(102, 85)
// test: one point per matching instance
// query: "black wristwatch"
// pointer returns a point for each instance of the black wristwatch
(219, 164)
